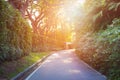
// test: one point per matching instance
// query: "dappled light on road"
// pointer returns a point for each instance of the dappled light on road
(74, 71)
(64, 65)
(56, 55)
(68, 60)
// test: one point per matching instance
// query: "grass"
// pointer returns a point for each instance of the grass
(12, 68)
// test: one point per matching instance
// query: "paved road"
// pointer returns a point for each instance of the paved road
(64, 65)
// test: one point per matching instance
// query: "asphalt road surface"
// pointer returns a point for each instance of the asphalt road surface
(65, 65)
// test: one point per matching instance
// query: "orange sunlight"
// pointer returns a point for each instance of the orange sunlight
(71, 10)
(81, 2)
(69, 13)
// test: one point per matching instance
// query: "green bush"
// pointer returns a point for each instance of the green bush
(98, 43)
(109, 43)
(101, 50)
(15, 33)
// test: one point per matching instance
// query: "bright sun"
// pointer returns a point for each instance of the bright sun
(81, 2)
(70, 10)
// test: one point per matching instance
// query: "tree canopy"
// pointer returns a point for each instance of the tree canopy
(43, 25)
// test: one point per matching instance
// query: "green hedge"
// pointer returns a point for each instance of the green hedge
(98, 40)
(15, 33)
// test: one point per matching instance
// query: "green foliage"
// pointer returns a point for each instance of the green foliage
(101, 50)
(10, 69)
(98, 43)
(109, 41)
(15, 36)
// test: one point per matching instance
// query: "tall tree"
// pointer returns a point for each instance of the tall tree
(21, 5)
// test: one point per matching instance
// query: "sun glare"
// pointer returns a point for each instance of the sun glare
(81, 2)
(71, 10)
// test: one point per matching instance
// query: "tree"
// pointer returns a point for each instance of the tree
(44, 20)
(21, 5)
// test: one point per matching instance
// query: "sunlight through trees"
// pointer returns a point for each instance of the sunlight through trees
(93, 26)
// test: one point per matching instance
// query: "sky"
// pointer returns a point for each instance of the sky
(71, 10)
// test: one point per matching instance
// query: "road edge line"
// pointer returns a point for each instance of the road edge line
(38, 63)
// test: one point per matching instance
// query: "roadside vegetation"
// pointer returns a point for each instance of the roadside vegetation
(98, 39)
(15, 34)
(28, 26)
(25, 37)
(10, 69)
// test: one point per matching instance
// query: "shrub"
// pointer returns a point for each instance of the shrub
(15, 33)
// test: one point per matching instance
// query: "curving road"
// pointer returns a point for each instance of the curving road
(64, 65)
